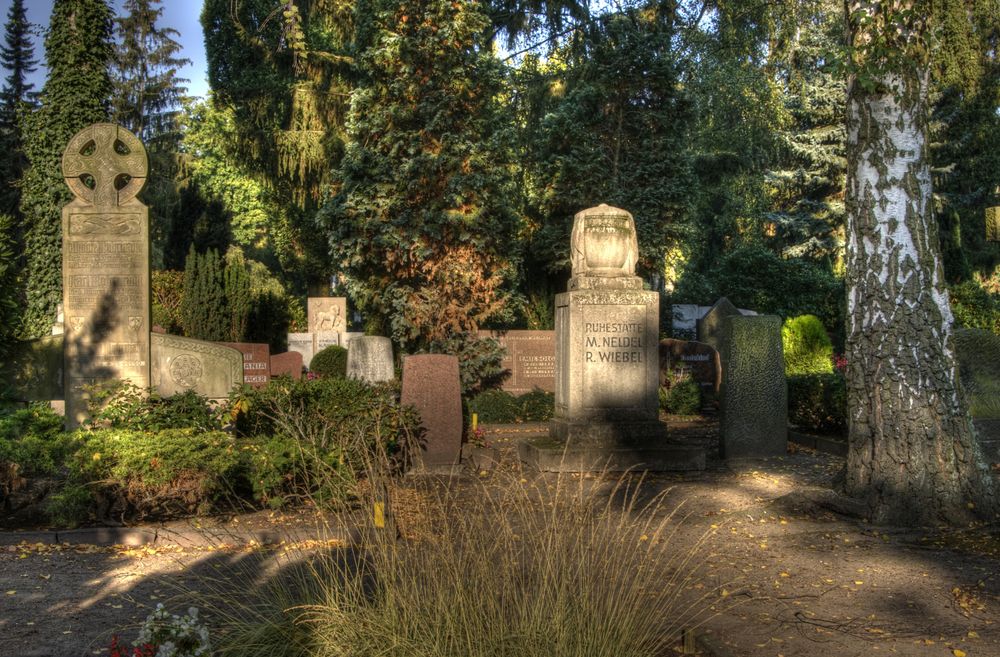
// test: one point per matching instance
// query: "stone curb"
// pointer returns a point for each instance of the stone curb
(184, 538)
(823, 444)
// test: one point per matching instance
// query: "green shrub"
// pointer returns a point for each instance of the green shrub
(818, 402)
(975, 307)
(683, 397)
(807, 346)
(32, 443)
(495, 407)
(502, 407)
(537, 406)
(70, 506)
(978, 353)
(315, 438)
(164, 473)
(123, 405)
(330, 362)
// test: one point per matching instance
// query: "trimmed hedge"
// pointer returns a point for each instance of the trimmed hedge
(330, 362)
(501, 407)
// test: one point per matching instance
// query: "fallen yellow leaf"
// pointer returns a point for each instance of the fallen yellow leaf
(958, 652)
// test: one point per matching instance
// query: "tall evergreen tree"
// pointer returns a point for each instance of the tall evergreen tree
(17, 57)
(422, 225)
(76, 93)
(912, 452)
(146, 100)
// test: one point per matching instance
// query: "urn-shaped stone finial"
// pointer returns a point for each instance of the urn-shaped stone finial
(604, 243)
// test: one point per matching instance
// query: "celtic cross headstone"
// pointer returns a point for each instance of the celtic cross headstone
(105, 263)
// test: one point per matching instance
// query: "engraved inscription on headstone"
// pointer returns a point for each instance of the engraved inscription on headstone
(256, 362)
(303, 343)
(105, 263)
(530, 358)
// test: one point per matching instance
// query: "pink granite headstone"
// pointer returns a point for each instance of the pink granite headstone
(289, 363)
(431, 386)
(256, 362)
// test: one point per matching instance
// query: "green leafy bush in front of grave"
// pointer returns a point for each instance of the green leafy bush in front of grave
(978, 355)
(818, 402)
(330, 362)
(975, 307)
(32, 443)
(683, 397)
(807, 346)
(167, 473)
(495, 407)
(536, 406)
(479, 360)
(316, 438)
(123, 405)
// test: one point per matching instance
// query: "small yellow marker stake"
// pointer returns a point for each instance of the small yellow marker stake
(475, 422)
(379, 515)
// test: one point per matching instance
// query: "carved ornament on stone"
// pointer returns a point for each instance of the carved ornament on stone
(105, 165)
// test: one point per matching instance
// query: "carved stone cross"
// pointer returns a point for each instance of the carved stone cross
(105, 165)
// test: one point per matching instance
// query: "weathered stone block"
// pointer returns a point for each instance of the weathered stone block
(181, 364)
(369, 358)
(754, 413)
(431, 385)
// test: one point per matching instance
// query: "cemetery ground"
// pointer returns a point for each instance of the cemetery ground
(777, 567)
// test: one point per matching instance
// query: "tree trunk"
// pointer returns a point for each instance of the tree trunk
(913, 456)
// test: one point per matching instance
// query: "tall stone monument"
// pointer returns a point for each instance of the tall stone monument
(105, 263)
(607, 358)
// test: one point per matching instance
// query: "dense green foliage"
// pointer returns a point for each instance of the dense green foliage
(818, 402)
(17, 58)
(331, 362)
(683, 397)
(807, 346)
(978, 355)
(422, 224)
(975, 307)
(203, 307)
(10, 309)
(501, 407)
(76, 91)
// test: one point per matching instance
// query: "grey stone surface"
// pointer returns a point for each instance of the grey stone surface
(754, 415)
(607, 362)
(324, 339)
(431, 386)
(369, 358)
(181, 364)
(327, 314)
(105, 251)
(302, 343)
(711, 327)
(530, 358)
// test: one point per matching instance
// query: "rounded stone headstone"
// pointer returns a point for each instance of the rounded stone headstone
(431, 386)
(369, 359)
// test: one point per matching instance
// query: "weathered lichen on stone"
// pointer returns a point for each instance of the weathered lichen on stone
(603, 243)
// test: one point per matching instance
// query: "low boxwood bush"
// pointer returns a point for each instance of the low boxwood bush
(537, 405)
(123, 405)
(818, 402)
(807, 346)
(683, 397)
(330, 362)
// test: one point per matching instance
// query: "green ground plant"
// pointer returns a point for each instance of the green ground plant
(683, 397)
(807, 346)
(818, 402)
(978, 353)
(502, 407)
(331, 362)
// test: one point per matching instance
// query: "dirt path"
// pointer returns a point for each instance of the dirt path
(807, 580)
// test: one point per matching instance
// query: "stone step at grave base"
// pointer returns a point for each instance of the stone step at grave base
(550, 455)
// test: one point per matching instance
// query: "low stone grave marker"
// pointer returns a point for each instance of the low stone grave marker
(531, 359)
(181, 364)
(302, 343)
(702, 360)
(288, 363)
(431, 385)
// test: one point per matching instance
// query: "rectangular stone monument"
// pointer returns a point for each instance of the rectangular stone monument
(431, 385)
(302, 343)
(105, 273)
(327, 314)
(753, 421)
(531, 359)
(256, 362)
(607, 360)
(287, 364)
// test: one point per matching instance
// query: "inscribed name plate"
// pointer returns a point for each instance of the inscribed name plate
(530, 357)
(302, 343)
(256, 362)
(105, 273)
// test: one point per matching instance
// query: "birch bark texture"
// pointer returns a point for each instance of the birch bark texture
(913, 456)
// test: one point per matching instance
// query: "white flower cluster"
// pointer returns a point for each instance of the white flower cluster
(176, 636)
